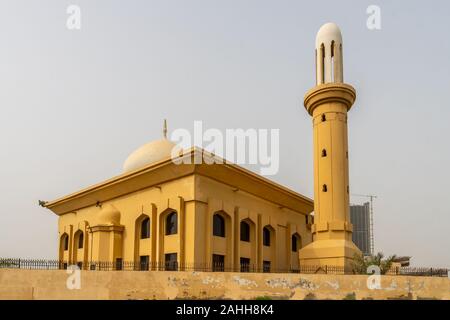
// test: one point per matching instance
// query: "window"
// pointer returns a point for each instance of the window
(218, 225)
(171, 261)
(324, 153)
(332, 61)
(322, 63)
(65, 241)
(317, 79)
(80, 240)
(218, 263)
(80, 265)
(171, 223)
(145, 228)
(324, 188)
(266, 237)
(245, 265)
(245, 231)
(296, 243)
(119, 264)
(266, 266)
(144, 262)
(324, 118)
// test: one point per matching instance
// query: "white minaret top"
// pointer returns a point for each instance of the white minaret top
(329, 67)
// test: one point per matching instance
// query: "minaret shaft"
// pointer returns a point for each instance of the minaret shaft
(328, 105)
(331, 201)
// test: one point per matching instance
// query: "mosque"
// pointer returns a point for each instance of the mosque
(158, 213)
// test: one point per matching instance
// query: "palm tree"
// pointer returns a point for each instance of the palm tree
(361, 263)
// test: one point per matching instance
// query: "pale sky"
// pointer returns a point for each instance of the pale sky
(75, 104)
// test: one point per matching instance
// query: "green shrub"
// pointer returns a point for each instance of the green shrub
(350, 296)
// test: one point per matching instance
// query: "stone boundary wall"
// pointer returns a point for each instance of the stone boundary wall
(125, 285)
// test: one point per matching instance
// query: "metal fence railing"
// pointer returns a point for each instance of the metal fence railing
(413, 271)
(40, 264)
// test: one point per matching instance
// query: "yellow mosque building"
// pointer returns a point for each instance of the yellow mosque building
(161, 215)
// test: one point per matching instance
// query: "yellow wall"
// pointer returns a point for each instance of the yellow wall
(112, 228)
(131, 207)
(51, 284)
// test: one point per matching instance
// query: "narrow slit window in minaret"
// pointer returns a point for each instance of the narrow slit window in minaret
(332, 61)
(324, 118)
(322, 62)
(341, 66)
(324, 153)
(324, 188)
(317, 68)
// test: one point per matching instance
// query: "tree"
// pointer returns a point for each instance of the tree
(361, 263)
(8, 263)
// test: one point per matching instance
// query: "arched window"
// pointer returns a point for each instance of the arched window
(245, 231)
(296, 242)
(145, 228)
(317, 75)
(80, 240)
(218, 225)
(341, 64)
(322, 62)
(266, 237)
(332, 62)
(65, 241)
(171, 223)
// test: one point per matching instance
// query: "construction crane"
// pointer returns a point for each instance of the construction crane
(371, 197)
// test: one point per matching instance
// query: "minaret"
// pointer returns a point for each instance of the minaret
(328, 103)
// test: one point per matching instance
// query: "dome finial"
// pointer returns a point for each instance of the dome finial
(165, 129)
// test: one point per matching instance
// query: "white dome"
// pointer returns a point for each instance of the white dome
(149, 153)
(327, 33)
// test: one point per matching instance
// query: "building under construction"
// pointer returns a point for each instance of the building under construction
(362, 234)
